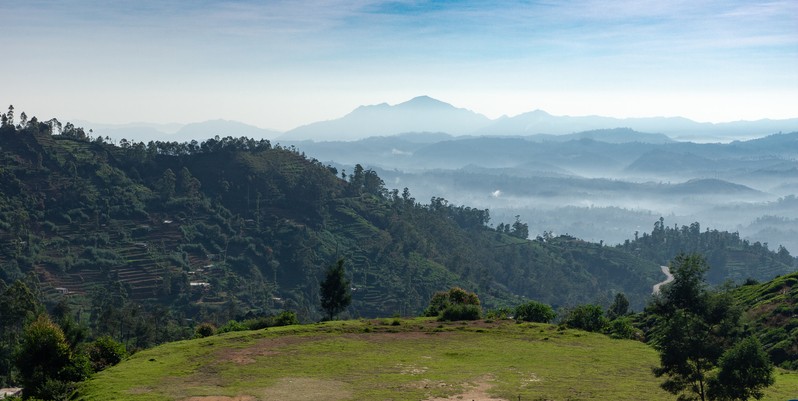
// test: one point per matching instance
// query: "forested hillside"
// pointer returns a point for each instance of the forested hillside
(729, 256)
(217, 229)
(232, 227)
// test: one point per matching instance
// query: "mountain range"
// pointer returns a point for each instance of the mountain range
(426, 115)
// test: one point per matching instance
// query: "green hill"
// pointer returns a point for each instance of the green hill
(417, 359)
(730, 257)
(234, 226)
(771, 309)
(144, 240)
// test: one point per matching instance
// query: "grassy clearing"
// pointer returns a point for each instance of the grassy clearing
(418, 359)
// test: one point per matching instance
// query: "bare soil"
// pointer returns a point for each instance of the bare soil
(478, 391)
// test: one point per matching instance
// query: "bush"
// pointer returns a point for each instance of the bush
(48, 368)
(105, 352)
(461, 312)
(499, 313)
(286, 318)
(205, 330)
(533, 311)
(586, 317)
(232, 325)
(455, 296)
(622, 328)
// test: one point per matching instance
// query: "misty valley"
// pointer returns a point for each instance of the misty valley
(598, 185)
(112, 246)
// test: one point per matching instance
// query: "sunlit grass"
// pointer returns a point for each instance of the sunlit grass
(378, 360)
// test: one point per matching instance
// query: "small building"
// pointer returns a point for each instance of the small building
(10, 392)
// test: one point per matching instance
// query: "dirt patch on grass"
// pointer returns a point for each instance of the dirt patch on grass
(264, 347)
(307, 389)
(386, 336)
(221, 398)
(477, 391)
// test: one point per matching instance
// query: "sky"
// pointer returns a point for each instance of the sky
(282, 64)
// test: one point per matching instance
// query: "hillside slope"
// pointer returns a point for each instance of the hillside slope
(235, 226)
(771, 309)
(396, 359)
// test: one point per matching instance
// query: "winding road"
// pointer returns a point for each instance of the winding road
(668, 279)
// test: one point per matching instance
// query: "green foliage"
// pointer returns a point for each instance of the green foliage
(105, 352)
(731, 257)
(744, 371)
(619, 307)
(335, 290)
(18, 306)
(286, 318)
(499, 313)
(697, 331)
(622, 328)
(585, 317)
(441, 301)
(232, 325)
(46, 364)
(769, 309)
(460, 312)
(205, 330)
(534, 311)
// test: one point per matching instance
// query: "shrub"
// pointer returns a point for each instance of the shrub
(622, 328)
(48, 368)
(461, 312)
(105, 352)
(586, 317)
(533, 311)
(455, 296)
(204, 330)
(286, 318)
(232, 325)
(499, 313)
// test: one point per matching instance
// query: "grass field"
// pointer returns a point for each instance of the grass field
(395, 359)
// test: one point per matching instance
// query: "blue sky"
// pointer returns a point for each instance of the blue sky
(280, 64)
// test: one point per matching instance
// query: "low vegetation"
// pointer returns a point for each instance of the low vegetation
(417, 359)
(770, 311)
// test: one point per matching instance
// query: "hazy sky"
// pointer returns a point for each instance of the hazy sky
(280, 64)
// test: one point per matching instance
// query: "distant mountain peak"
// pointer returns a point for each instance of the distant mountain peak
(425, 102)
(419, 114)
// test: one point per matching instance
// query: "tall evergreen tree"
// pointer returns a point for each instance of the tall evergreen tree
(335, 292)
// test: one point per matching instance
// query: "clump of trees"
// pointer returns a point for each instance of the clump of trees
(586, 317)
(704, 353)
(47, 365)
(455, 304)
(534, 311)
(47, 355)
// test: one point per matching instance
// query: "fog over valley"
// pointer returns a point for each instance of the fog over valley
(596, 178)
(602, 184)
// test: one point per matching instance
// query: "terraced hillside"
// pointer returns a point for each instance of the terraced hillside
(233, 227)
(771, 310)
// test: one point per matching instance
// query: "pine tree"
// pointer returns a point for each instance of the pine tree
(335, 292)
